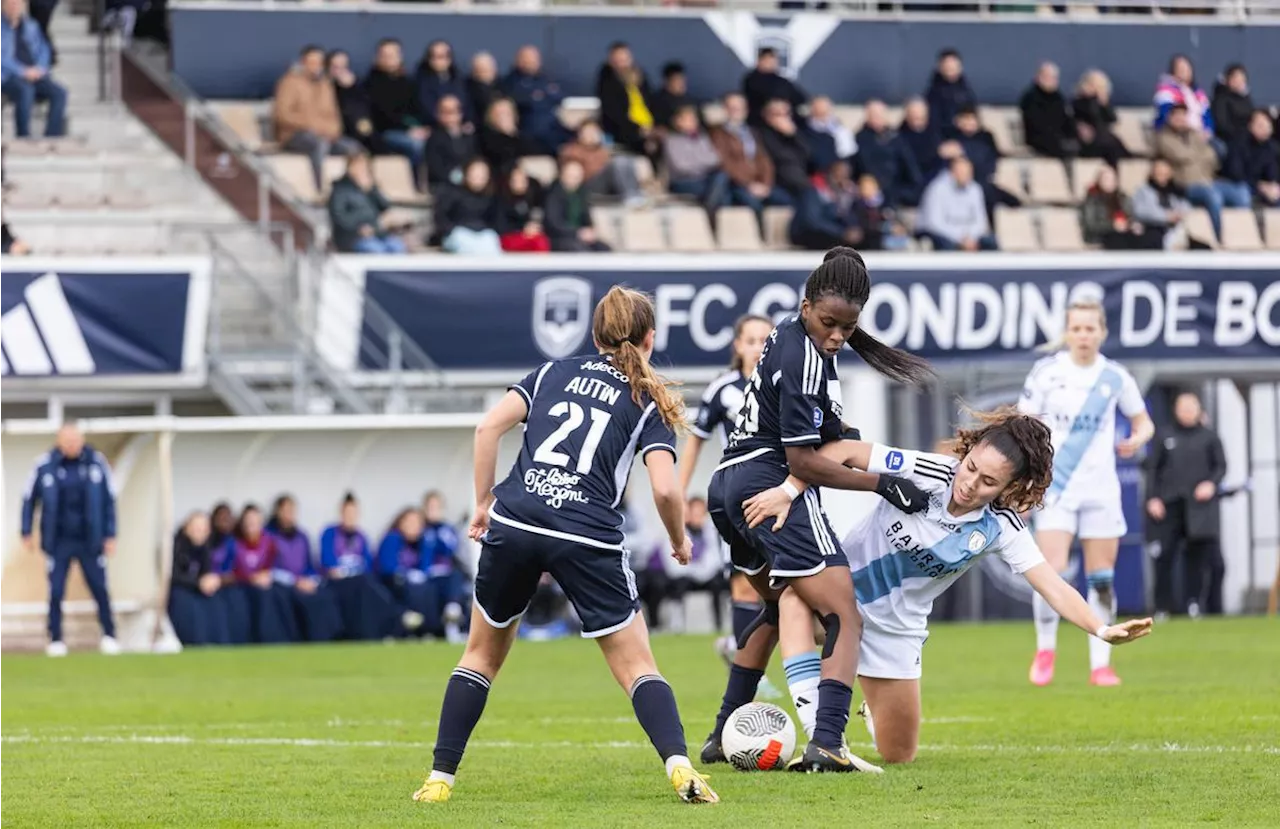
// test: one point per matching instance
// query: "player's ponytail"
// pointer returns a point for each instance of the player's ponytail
(1026, 443)
(844, 274)
(620, 324)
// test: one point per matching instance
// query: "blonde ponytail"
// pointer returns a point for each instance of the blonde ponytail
(622, 320)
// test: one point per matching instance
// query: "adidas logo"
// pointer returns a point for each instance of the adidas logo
(40, 335)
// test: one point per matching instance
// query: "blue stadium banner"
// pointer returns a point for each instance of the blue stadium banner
(509, 314)
(89, 318)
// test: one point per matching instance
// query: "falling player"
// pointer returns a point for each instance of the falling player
(1076, 392)
(902, 563)
(585, 420)
(721, 403)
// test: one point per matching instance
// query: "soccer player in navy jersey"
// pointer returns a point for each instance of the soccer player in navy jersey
(585, 420)
(792, 406)
(717, 414)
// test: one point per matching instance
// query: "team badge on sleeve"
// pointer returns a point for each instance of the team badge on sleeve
(817, 417)
(893, 460)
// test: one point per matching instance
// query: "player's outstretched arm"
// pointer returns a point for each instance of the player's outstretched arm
(668, 498)
(1070, 605)
(502, 418)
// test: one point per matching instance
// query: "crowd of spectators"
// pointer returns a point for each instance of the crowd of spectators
(932, 176)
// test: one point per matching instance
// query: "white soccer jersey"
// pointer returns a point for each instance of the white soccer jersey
(1079, 404)
(901, 562)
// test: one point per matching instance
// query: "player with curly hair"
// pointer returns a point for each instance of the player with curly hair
(901, 562)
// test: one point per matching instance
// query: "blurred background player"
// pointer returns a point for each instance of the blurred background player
(717, 414)
(1077, 392)
(902, 563)
(586, 418)
(792, 406)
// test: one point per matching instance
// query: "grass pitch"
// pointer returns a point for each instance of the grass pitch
(340, 737)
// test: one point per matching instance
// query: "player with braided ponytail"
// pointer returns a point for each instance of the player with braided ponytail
(999, 468)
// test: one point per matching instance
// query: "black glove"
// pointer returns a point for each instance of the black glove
(903, 494)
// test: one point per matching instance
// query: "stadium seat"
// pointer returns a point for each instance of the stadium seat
(644, 171)
(1009, 177)
(294, 172)
(1060, 229)
(1132, 127)
(737, 229)
(605, 221)
(1084, 172)
(1133, 173)
(1240, 229)
(1271, 221)
(689, 230)
(334, 169)
(540, 167)
(851, 115)
(394, 177)
(642, 232)
(1047, 182)
(713, 113)
(1016, 230)
(242, 120)
(1200, 228)
(574, 111)
(996, 120)
(777, 227)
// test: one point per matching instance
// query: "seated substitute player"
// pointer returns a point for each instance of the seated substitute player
(792, 406)
(586, 418)
(902, 563)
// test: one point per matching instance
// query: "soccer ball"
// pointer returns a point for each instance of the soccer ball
(758, 736)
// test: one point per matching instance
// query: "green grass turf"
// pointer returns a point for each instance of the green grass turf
(339, 737)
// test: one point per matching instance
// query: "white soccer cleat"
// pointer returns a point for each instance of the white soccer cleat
(109, 646)
(55, 649)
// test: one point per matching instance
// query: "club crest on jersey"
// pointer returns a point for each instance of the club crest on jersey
(817, 417)
(561, 314)
(893, 461)
(976, 541)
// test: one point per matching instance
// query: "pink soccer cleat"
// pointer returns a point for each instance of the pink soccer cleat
(1104, 677)
(1042, 668)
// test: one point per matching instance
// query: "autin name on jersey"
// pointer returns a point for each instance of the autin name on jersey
(920, 557)
(596, 388)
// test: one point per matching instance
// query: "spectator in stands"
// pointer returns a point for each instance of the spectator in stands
(1046, 124)
(883, 155)
(72, 486)
(306, 115)
(763, 84)
(11, 245)
(878, 220)
(1107, 218)
(401, 565)
(1195, 164)
(26, 62)
(623, 91)
(222, 523)
(949, 91)
(356, 208)
(352, 97)
(786, 148)
(482, 85)
(953, 211)
(450, 146)
(367, 608)
(438, 77)
(693, 165)
(1160, 203)
(1232, 107)
(606, 173)
(705, 571)
(824, 216)
(398, 119)
(1179, 88)
(500, 141)
(466, 216)
(538, 100)
(745, 159)
(520, 214)
(444, 574)
(673, 96)
(1095, 118)
(1252, 161)
(295, 570)
(828, 138)
(968, 138)
(250, 567)
(197, 613)
(42, 13)
(568, 217)
(920, 138)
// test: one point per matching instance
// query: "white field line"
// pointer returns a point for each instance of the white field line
(303, 742)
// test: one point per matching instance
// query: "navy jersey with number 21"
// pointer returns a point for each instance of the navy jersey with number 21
(582, 432)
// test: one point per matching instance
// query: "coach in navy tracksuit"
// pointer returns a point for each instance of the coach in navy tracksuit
(77, 522)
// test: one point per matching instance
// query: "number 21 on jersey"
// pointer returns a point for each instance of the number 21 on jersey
(574, 415)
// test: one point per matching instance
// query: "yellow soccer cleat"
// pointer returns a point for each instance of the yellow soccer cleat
(433, 791)
(692, 786)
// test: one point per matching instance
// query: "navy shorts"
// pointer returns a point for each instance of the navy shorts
(805, 545)
(597, 581)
